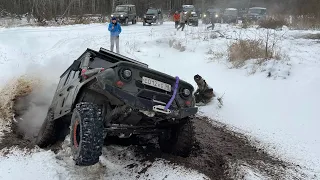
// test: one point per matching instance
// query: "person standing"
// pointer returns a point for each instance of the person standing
(212, 20)
(176, 19)
(115, 30)
(182, 21)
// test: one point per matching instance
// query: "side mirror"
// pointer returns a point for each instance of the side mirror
(75, 65)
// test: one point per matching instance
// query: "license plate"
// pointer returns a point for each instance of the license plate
(156, 84)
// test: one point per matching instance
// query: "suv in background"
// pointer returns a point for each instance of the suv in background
(125, 14)
(190, 12)
(153, 15)
(256, 14)
(230, 15)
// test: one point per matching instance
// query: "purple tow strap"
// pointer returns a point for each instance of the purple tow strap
(174, 94)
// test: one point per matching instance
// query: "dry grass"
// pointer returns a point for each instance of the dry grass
(242, 50)
(273, 23)
(16, 88)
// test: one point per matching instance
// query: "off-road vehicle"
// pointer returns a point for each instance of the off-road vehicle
(230, 15)
(256, 14)
(153, 15)
(125, 14)
(190, 12)
(106, 94)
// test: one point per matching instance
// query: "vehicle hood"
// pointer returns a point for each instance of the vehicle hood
(119, 13)
(151, 14)
(253, 14)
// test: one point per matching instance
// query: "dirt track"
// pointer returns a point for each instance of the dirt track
(217, 154)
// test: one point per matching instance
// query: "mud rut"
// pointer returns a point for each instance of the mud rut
(217, 153)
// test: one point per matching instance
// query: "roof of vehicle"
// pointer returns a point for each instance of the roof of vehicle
(233, 9)
(126, 5)
(257, 8)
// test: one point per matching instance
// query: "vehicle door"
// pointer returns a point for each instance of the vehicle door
(130, 13)
(60, 94)
(71, 86)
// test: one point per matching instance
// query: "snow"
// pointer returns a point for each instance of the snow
(280, 111)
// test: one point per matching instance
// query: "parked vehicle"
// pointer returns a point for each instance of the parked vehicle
(256, 14)
(190, 12)
(125, 14)
(230, 15)
(153, 15)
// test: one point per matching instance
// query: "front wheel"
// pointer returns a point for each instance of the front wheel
(86, 134)
(179, 140)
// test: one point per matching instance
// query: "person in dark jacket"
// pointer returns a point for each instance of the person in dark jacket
(212, 20)
(204, 93)
(115, 30)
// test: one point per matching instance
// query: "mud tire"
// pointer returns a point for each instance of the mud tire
(86, 134)
(47, 132)
(179, 140)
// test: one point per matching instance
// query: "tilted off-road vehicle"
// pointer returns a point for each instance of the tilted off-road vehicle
(153, 15)
(105, 94)
(125, 14)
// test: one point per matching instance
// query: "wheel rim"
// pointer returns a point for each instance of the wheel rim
(76, 137)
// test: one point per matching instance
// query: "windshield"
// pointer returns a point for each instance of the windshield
(230, 12)
(121, 9)
(188, 8)
(256, 11)
(152, 11)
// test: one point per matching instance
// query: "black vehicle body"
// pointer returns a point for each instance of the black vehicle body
(123, 97)
(230, 15)
(125, 14)
(153, 15)
(256, 14)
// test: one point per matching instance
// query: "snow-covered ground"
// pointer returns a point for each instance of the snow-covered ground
(281, 111)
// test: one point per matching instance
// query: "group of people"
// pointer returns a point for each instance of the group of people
(180, 20)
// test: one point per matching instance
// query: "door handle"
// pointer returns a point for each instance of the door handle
(70, 87)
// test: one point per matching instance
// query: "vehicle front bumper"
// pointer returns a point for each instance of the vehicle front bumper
(147, 20)
(138, 103)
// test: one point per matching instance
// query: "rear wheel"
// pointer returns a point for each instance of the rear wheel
(47, 135)
(86, 135)
(179, 140)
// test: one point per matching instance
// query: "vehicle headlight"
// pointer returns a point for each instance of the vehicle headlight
(121, 15)
(186, 92)
(111, 15)
(144, 16)
(154, 16)
(125, 74)
(204, 15)
(217, 15)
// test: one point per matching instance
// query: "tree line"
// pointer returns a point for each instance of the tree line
(50, 9)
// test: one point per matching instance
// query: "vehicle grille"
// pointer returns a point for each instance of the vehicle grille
(149, 17)
(156, 96)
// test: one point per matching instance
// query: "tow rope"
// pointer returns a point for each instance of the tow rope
(173, 95)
